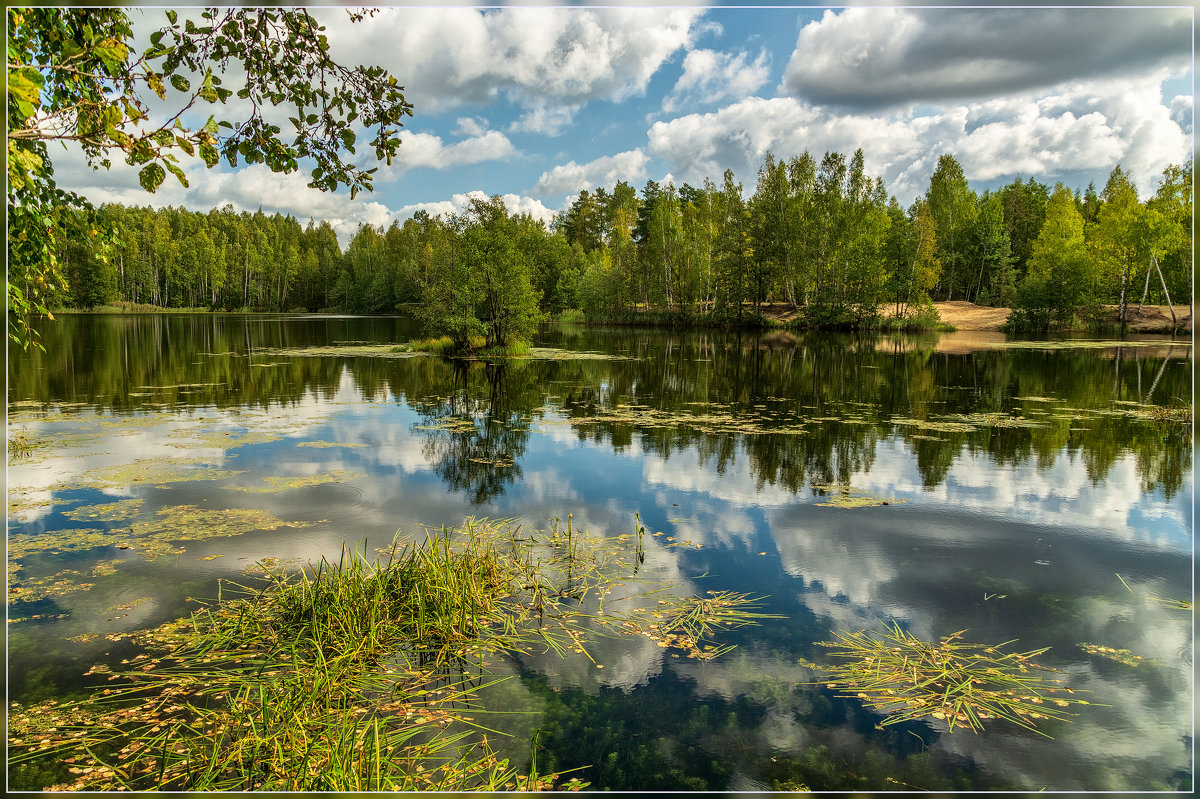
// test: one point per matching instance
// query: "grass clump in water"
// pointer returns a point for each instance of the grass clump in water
(20, 444)
(354, 675)
(443, 345)
(962, 684)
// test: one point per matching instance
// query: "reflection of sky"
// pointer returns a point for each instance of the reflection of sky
(1049, 538)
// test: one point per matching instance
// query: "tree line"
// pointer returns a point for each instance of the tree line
(824, 238)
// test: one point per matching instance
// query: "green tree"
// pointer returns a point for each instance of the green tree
(1024, 214)
(991, 254)
(1060, 282)
(1165, 235)
(1113, 238)
(954, 207)
(92, 281)
(802, 181)
(732, 249)
(73, 76)
(771, 233)
(506, 303)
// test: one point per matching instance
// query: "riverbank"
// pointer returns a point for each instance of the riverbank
(1149, 319)
(957, 314)
(963, 315)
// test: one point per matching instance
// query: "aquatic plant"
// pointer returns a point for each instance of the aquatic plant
(962, 684)
(355, 675)
(20, 444)
(844, 495)
(442, 345)
(1123, 656)
(1166, 602)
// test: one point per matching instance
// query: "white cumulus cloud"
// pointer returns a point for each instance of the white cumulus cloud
(604, 171)
(710, 76)
(515, 203)
(888, 57)
(427, 150)
(1081, 128)
(534, 56)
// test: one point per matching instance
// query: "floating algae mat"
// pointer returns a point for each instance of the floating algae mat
(454, 425)
(110, 512)
(57, 542)
(365, 350)
(553, 354)
(841, 495)
(713, 422)
(1116, 655)
(342, 351)
(284, 483)
(152, 538)
(55, 585)
(149, 471)
(155, 538)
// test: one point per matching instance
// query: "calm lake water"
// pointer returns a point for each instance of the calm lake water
(1020, 481)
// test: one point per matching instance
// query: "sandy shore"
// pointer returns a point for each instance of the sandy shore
(1151, 318)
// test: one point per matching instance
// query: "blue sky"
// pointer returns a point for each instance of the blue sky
(536, 103)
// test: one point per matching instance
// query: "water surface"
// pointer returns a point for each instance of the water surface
(1020, 480)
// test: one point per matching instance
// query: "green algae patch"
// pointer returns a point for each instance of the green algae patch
(455, 425)
(343, 351)
(715, 421)
(327, 444)
(55, 585)
(178, 386)
(156, 538)
(364, 350)
(841, 495)
(934, 425)
(965, 422)
(22, 507)
(147, 471)
(555, 354)
(57, 542)
(129, 605)
(106, 567)
(109, 512)
(275, 484)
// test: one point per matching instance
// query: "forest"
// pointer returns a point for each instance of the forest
(824, 238)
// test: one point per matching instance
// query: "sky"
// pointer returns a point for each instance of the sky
(537, 103)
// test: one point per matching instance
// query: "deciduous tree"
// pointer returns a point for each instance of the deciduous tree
(74, 76)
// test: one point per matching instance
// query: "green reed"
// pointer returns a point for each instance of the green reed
(962, 684)
(20, 444)
(352, 675)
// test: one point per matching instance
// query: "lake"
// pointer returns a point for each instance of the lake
(1033, 492)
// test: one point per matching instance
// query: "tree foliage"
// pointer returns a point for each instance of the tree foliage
(74, 76)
